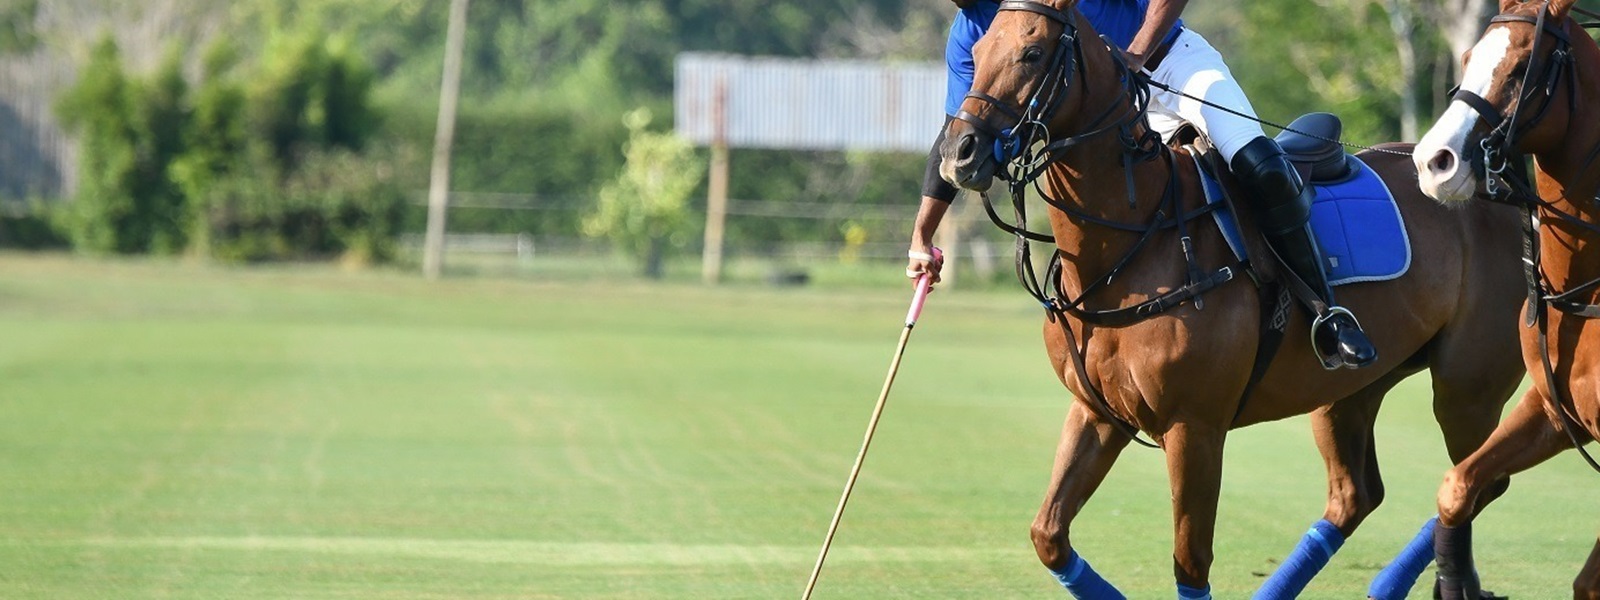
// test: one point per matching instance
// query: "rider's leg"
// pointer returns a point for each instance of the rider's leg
(1282, 201)
(1283, 207)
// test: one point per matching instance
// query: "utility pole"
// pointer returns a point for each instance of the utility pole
(444, 136)
(716, 189)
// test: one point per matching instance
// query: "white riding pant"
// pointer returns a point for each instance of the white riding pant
(1194, 67)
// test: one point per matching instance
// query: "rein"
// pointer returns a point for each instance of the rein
(1027, 151)
(1499, 152)
(1243, 115)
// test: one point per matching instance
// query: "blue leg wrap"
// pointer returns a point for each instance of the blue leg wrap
(1309, 556)
(1188, 593)
(1395, 581)
(1083, 582)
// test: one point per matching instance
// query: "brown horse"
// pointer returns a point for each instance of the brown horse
(1181, 375)
(1520, 93)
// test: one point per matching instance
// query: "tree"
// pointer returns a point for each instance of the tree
(131, 132)
(645, 211)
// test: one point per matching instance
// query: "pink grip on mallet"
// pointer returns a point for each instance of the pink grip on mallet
(924, 285)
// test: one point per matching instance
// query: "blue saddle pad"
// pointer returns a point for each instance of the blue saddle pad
(1356, 223)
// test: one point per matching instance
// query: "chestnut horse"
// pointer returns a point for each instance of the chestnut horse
(1121, 203)
(1521, 90)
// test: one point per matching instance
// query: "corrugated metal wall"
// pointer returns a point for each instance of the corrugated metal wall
(35, 155)
(809, 105)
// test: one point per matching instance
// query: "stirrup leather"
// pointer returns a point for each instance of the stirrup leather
(1333, 361)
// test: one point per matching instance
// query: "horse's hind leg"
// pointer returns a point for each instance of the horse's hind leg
(1526, 438)
(1472, 379)
(1355, 488)
(1088, 448)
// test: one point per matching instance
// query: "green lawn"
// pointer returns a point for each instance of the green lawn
(176, 431)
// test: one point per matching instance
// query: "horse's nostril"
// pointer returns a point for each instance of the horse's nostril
(1443, 162)
(968, 144)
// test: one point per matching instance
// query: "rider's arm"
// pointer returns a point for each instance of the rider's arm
(936, 192)
(1158, 21)
(936, 197)
(928, 217)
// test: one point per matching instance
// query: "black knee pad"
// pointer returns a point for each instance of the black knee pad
(1274, 188)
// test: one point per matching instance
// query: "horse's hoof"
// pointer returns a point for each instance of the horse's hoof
(1438, 593)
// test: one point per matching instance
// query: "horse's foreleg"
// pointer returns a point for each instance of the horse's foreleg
(1526, 438)
(1344, 435)
(1194, 471)
(1085, 454)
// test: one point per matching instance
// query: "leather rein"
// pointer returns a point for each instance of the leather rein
(1026, 151)
(1502, 164)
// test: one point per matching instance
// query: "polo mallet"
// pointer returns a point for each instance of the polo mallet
(924, 285)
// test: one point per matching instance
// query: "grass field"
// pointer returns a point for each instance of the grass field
(176, 431)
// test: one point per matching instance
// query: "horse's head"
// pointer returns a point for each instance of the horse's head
(1509, 86)
(1022, 68)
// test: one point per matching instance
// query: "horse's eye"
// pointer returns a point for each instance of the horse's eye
(1032, 54)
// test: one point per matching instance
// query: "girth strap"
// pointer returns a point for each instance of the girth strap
(1128, 315)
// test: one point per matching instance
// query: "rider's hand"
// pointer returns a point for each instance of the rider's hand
(1135, 62)
(921, 261)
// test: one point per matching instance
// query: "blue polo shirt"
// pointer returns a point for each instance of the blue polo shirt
(1116, 19)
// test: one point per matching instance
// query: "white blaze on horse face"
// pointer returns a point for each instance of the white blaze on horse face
(1440, 169)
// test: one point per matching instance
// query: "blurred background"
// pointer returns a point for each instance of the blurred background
(265, 130)
(224, 375)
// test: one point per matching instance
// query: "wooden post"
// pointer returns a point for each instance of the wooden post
(716, 189)
(444, 137)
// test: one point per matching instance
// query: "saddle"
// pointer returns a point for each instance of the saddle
(1354, 218)
(1312, 145)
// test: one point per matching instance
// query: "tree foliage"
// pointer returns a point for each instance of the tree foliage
(645, 211)
(259, 160)
(131, 131)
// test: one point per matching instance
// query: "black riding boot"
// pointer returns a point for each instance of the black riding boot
(1283, 207)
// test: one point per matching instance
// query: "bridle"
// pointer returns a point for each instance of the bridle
(1025, 150)
(1499, 144)
(1502, 163)
(1025, 147)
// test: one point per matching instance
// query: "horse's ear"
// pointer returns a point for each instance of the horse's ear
(1560, 8)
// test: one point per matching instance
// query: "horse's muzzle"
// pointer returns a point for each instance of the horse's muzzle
(968, 158)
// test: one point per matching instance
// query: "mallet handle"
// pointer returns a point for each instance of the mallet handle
(924, 285)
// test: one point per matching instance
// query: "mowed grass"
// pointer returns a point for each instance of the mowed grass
(174, 431)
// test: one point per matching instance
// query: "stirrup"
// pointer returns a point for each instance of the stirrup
(1335, 360)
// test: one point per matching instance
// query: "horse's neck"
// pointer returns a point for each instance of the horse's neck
(1093, 180)
(1569, 179)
